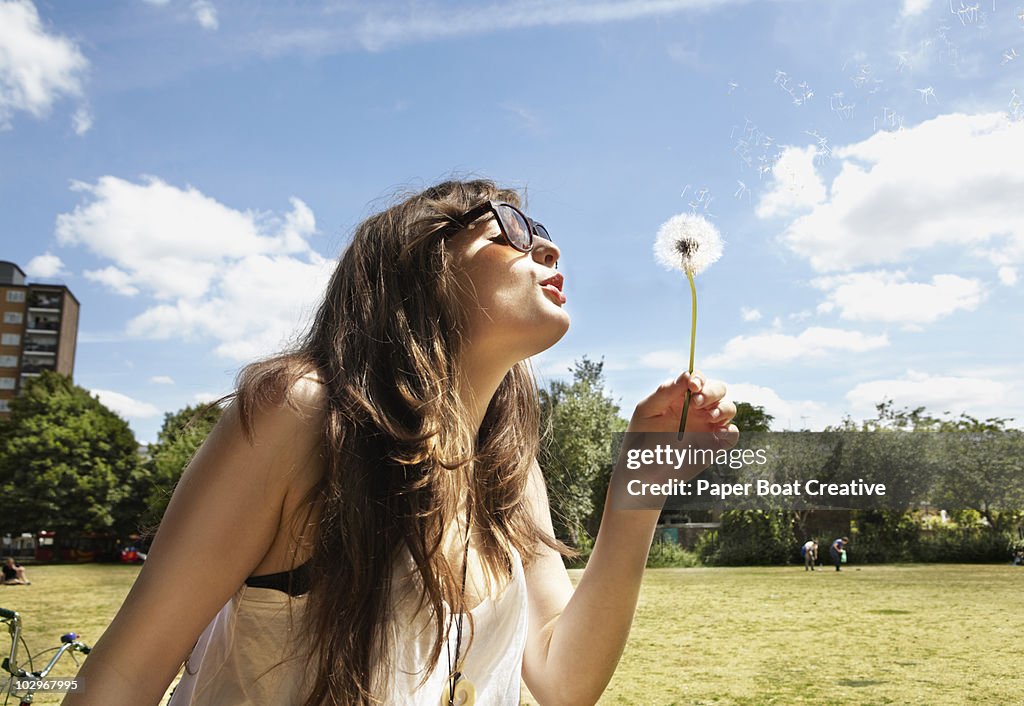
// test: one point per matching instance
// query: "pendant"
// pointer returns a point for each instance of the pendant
(465, 692)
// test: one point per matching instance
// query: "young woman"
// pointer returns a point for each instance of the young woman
(367, 523)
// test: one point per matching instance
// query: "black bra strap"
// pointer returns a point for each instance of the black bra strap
(279, 581)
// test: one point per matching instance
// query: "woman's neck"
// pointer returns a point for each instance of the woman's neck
(481, 377)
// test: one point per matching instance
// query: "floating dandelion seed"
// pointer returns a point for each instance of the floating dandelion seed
(689, 243)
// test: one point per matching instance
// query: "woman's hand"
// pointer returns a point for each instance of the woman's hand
(710, 409)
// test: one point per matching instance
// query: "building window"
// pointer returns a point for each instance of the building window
(10, 339)
(12, 317)
(8, 361)
(15, 295)
(5, 405)
(6, 383)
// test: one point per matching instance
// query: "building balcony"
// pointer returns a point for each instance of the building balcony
(36, 369)
(37, 349)
(44, 301)
(43, 327)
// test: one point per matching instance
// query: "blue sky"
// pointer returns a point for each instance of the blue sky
(191, 170)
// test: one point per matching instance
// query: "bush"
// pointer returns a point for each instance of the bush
(749, 538)
(965, 545)
(665, 555)
(884, 536)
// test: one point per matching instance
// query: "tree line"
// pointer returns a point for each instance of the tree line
(70, 464)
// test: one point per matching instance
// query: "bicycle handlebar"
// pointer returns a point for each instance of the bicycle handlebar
(8, 614)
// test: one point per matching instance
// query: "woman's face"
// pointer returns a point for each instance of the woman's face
(515, 316)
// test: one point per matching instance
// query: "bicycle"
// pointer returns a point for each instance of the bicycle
(69, 642)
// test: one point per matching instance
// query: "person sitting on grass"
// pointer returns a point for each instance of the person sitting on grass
(380, 481)
(14, 574)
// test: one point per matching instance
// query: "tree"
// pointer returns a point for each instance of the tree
(752, 418)
(67, 463)
(179, 438)
(578, 420)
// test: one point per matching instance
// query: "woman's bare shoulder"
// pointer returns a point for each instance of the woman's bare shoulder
(300, 407)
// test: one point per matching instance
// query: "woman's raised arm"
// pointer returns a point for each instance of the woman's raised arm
(222, 519)
(577, 636)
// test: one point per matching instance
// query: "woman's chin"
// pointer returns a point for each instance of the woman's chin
(557, 330)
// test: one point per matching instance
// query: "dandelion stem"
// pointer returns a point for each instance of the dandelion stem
(693, 343)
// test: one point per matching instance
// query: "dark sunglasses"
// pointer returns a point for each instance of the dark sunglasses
(519, 229)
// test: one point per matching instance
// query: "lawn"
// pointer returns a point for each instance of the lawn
(897, 634)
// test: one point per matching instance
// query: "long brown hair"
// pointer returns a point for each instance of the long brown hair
(398, 446)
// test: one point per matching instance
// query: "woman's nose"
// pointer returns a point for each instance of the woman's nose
(546, 252)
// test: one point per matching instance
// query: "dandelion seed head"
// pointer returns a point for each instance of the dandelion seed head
(687, 242)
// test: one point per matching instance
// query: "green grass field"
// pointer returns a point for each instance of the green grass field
(903, 634)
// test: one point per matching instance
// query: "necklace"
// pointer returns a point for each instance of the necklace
(459, 691)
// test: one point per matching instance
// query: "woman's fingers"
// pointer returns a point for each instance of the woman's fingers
(694, 381)
(661, 399)
(706, 395)
(710, 394)
(723, 412)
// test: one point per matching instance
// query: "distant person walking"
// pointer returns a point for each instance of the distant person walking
(810, 554)
(838, 551)
(14, 574)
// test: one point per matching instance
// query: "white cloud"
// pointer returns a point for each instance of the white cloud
(890, 298)
(946, 182)
(81, 121)
(774, 348)
(244, 279)
(125, 405)
(44, 266)
(912, 8)
(938, 393)
(36, 68)
(117, 280)
(789, 414)
(796, 184)
(158, 3)
(162, 380)
(205, 397)
(205, 14)
(665, 360)
(1008, 275)
(750, 314)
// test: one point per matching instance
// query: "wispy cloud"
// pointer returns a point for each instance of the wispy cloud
(748, 314)
(789, 414)
(524, 118)
(381, 28)
(814, 343)
(81, 120)
(126, 406)
(938, 393)
(913, 8)
(205, 14)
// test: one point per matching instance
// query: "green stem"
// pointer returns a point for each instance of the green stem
(693, 344)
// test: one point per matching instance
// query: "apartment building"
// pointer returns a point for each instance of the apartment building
(38, 330)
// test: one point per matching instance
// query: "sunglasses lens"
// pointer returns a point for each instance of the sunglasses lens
(541, 231)
(516, 229)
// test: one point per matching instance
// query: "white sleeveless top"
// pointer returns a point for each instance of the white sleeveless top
(234, 660)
